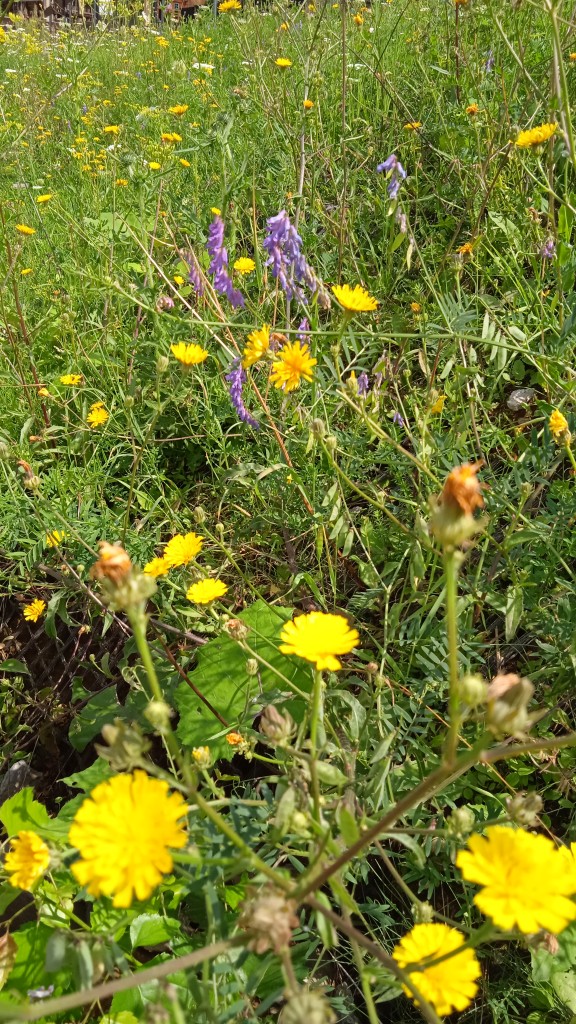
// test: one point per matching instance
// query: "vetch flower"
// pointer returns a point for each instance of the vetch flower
(258, 345)
(292, 364)
(244, 265)
(157, 567)
(449, 985)
(236, 377)
(25, 230)
(355, 300)
(71, 380)
(363, 384)
(97, 416)
(558, 425)
(188, 355)
(181, 550)
(526, 880)
(536, 136)
(55, 538)
(219, 263)
(35, 610)
(289, 265)
(27, 860)
(393, 167)
(319, 637)
(206, 591)
(548, 250)
(124, 833)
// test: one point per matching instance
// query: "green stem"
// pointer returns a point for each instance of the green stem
(365, 982)
(570, 455)
(451, 559)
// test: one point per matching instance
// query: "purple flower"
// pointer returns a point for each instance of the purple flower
(363, 384)
(289, 266)
(398, 419)
(304, 331)
(237, 378)
(194, 272)
(548, 250)
(489, 61)
(219, 264)
(393, 167)
(164, 302)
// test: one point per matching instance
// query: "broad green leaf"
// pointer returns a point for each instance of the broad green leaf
(564, 985)
(90, 777)
(153, 929)
(8, 950)
(22, 811)
(514, 609)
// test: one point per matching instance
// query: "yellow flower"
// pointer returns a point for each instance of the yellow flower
(154, 166)
(535, 136)
(121, 181)
(179, 280)
(284, 26)
(356, 300)
(412, 126)
(112, 129)
(472, 108)
(216, 211)
(244, 265)
(185, 163)
(182, 549)
(319, 637)
(44, 393)
(572, 56)
(466, 249)
(415, 307)
(25, 230)
(258, 345)
(35, 610)
(46, 198)
(438, 404)
(97, 416)
(188, 355)
(27, 860)
(124, 832)
(307, 104)
(526, 880)
(235, 739)
(162, 42)
(26, 271)
(283, 62)
(71, 379)
(293, 362)
(171, 137)
(201, 755)
(358, 19)
(157, 567)
(53, 539)
(206, 591)
(558, 425)
(449, 985)
(229, 5)
(178, 109)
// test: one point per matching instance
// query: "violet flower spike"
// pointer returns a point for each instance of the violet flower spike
(237, 378)
(398, 419)
(363, 384)
(393, 167)
(219, 264)
(548, 250)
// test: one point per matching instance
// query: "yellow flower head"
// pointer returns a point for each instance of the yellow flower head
(185, 163)
(188, 355)
(293, 363)
(413, 126)
(46, 198)
(112, 129)
(71, 380)
(124, 832)
(472, 109)
(171, 137)
(178, 109)
(27, 860)
(235, 739)
(34, 611)
(536, 136)
(229, 5)
(201, 755)
(182, 549)
(53, 539)
(258, 345)
(572, 56)
(97, 416)
(244, 265)
(216, 211)
(121, 182)
(25, 230)
(206, 591)
(466, 249)
(415, 307)
(162, 42)
(449, 985)
(319, 637)
(558, 425)
(178, 279)
(356, 300)
(526, 881)
(438, 404)
(26, 271)
(307, 104)
(157, 567)
(283, 62)
(154, 165)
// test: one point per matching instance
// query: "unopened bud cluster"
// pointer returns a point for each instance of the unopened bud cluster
(307, 1007)
(269, 917)
(508, 697)
(278, 729)
(125, 746)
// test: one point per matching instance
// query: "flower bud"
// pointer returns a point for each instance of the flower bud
(162, 364)
(237, 629)
(318, 428)
(4, 450)
(202, 757)
(452, 521)
(269, 918)
(524, 808)
(331, 442)
(461, 822)
(472, 690)
(199, 515)
(113, 564)
(423, 913)
(508, 697)
(251, 667)
(307, 1006)
(158, 713)
(129, 402)
(125, 746)
(278, 729)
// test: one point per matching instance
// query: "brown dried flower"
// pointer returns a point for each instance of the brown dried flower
(462, 490)
(114, 563)
(269, 918)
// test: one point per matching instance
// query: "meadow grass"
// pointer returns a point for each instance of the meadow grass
(321, 498)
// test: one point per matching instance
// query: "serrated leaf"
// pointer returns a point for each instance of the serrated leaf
(22, 811)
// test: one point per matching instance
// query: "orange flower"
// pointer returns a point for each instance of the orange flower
(462, 491)
(114, 563)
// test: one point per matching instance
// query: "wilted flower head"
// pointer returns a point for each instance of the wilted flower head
(278, 729)
(269, 917)
(508, 697)
(453, 521)
(113, 564)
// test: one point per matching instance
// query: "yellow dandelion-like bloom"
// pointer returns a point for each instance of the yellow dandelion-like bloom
(97, 416)
(472, 109)
(466, 249)
(319, 637)
(283, 62)
(206, 591)
(449, 985)
(188, 355)
(53, 539)
(258, 345)
(572, 56)
(244, 265)
(526, 880)
(182, 549)
(154, 165)
(356, 300)
(558, 424)
(536, 136)
(229, 5)
(438, 404)
(121, 182)
(35, 610)
(292, 364)
(162, 42)
(413, 126)
(358, 19)
(124, 833)
(27, 860)
(307, 104)
(157, 567)
(178, 109)
(46, 198)
(216, 211)
(112, 129)
(185, 163)
(415, 307)
(26, 271)
(179, 280)
(235, 739)
(71, 380)
(24, 229)
(170, 137)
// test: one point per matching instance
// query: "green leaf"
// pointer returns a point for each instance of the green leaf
(221, 675)
(102, 707)
(564, 985)
(8, 950)
(153, 929)
(13, 665)
(90, 777)
(22, 811)
(514, 609)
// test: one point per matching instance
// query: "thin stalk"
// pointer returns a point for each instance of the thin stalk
(451, 559)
